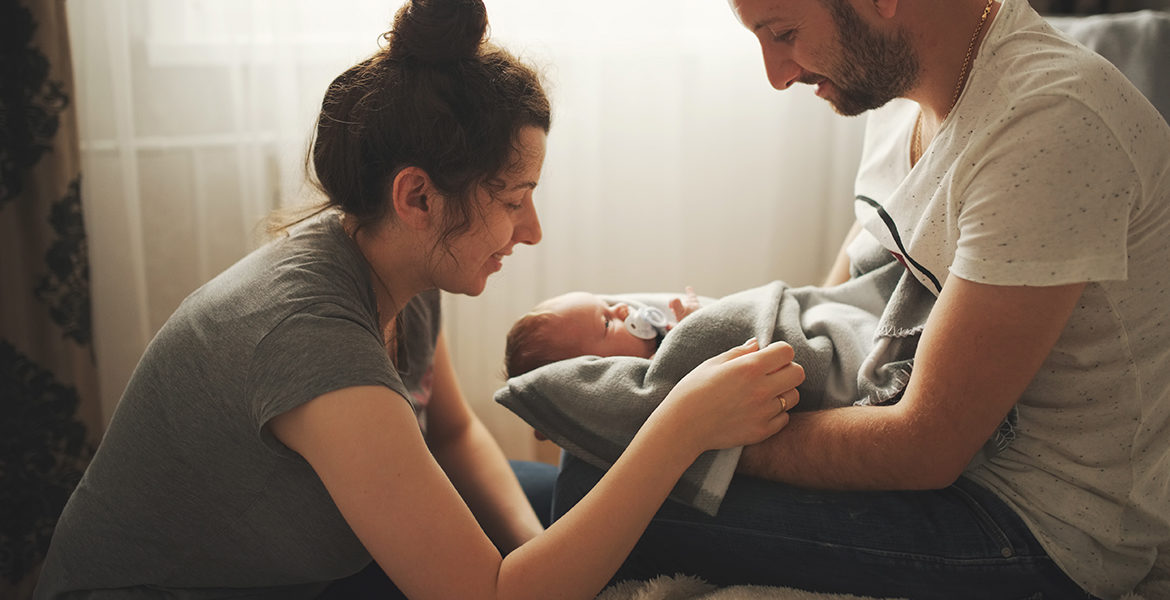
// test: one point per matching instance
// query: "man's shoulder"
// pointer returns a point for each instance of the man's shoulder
(1046, 63)
(1039, 84)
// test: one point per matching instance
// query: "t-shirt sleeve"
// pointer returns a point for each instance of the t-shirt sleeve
(310, 353)
(1047, 200)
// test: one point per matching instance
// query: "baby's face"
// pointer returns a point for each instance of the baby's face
(590, 326)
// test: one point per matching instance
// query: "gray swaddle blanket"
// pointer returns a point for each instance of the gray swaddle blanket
(855, 341)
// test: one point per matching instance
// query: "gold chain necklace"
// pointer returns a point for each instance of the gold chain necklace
(916, 150)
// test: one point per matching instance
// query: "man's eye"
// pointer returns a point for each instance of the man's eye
(785, 36)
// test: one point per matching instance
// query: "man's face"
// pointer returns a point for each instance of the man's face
(827, 43)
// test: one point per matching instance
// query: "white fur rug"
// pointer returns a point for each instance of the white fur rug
(681, 587)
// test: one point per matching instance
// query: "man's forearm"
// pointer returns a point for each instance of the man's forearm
(852, 448)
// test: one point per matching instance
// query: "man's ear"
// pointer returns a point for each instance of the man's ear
(414, 199)
(886, 8)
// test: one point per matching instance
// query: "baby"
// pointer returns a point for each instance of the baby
(581, 323)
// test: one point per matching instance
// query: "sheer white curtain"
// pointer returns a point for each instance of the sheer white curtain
(670, 163)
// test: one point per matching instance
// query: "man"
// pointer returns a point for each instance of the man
(1025, 183)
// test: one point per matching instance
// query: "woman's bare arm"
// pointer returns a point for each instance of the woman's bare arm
(473, 461)
(365, 445)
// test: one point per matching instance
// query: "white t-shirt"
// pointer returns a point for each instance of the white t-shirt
(1053, 169)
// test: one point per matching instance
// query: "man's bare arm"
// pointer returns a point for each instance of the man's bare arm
(982, 346)
(839, 272)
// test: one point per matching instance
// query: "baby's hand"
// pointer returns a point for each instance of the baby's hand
(682, 307)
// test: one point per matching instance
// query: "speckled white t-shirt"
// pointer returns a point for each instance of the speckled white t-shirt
(1053, 169)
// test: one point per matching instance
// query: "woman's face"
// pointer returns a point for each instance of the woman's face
(506, 216)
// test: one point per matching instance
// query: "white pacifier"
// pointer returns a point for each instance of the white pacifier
(646, 323)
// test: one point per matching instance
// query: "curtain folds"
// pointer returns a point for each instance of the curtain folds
(671, 162)
(51, 417)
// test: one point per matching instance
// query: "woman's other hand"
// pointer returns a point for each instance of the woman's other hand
(739, 397)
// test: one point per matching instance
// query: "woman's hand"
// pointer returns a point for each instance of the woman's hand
(739, 397)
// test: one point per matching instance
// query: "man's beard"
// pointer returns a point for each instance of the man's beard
(872, 68)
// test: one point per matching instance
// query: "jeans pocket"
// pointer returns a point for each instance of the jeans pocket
(987, 524)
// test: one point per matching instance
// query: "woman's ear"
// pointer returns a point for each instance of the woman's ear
(415, 201)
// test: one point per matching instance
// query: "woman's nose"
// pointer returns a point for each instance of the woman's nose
(528, 229)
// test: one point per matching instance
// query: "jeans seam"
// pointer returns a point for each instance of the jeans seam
(1015, 559)
(987, 522)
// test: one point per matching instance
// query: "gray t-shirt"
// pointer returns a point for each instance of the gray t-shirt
(1051, 170)
(190, 495)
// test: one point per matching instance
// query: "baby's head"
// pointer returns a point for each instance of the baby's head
(572, 324)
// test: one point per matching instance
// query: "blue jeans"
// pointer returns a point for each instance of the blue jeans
(537, 479)
(957, 543)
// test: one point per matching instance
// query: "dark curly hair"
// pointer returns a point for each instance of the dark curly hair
(437, 96)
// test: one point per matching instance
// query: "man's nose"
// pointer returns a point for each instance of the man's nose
(781, 69)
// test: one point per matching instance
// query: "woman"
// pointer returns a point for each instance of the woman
(299, 414)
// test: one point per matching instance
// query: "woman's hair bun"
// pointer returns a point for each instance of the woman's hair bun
(437, 31)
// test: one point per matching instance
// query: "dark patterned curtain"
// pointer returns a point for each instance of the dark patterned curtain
(49, 408)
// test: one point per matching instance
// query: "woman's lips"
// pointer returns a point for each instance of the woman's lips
(496, 262)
